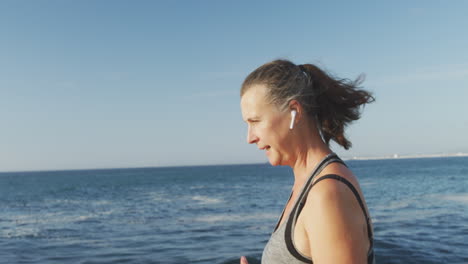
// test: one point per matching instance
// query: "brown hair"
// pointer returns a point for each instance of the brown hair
(333, 102)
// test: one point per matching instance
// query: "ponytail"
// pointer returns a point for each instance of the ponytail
(338, 103)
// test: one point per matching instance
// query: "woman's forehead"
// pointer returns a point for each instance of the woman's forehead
(254, 97)
(256, 90)
(254, 103)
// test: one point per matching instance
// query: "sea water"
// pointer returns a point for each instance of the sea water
(215, 214)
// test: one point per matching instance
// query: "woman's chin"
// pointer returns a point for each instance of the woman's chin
(279, 162)
(274, 162)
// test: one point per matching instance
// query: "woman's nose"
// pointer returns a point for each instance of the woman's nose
(251, 137)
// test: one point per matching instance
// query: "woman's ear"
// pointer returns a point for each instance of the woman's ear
(295, 106)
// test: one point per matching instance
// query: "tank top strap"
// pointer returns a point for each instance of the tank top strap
(331, 158)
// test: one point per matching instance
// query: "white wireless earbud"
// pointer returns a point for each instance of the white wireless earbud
(293, 117)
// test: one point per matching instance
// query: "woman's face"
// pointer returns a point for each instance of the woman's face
(268, 127)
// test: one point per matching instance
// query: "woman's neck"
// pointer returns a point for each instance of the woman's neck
(308, 154)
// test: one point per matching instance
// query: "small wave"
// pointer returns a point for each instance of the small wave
(461, 198)
(101, 202)
(368, 183)
(401, 204)
(206, 199)
(55, 202)
(52, 218)
(234, 218)
(196, 187)
(22, 232)
(158, 197)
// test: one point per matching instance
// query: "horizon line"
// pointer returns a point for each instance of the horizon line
(394, 156)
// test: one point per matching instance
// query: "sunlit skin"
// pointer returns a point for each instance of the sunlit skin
(331, 228)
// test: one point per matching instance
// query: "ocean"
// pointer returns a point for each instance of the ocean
(215, 214)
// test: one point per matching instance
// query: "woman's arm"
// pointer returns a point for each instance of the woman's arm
(335, 224)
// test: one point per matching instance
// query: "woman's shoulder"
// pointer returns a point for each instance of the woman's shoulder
(328, 189)
(333, 219)
(333, 195)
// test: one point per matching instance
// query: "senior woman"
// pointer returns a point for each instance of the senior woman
(292, 112)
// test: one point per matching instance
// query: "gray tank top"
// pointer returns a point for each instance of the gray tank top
(280, 249)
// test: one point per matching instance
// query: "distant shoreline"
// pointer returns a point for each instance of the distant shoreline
(388, 157)
(414, 156)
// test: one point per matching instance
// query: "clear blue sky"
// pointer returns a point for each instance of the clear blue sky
(102, 84)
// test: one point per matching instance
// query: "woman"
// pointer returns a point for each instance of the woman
(292, 112)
